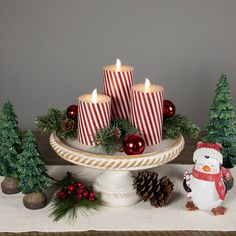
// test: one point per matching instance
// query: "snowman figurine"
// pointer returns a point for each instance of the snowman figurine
(209, 182)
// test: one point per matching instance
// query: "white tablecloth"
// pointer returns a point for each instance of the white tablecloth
(140, 217)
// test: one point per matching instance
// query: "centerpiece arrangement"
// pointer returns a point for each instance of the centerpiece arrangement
(124, 109)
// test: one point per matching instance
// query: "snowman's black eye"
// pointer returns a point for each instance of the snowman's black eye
(207, 157)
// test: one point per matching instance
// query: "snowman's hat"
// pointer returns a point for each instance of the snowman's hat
(208, 149)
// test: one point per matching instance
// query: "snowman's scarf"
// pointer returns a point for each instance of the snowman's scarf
(217, 178)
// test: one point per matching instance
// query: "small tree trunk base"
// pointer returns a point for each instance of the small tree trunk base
(35, 201)
(10, 185)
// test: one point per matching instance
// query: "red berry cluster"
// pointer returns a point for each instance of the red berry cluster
(78, 190)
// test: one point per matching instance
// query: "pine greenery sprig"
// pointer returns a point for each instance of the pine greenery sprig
(108, 142)
(177, 125)
(68, 206)
(110, 139)
(52, 122)
(125, 127)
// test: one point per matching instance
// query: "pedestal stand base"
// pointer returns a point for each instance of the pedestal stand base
(116, 184)
(116, 188)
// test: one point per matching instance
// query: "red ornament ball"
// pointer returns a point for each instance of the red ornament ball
(133, 144)
(72, 112)
(168, 109)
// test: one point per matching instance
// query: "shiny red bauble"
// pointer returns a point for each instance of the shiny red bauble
(72, 112)
(168, 109)
(133, 144)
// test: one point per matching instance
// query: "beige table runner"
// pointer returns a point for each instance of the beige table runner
(140, 217)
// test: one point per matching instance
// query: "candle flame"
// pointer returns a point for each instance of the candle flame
(147, 85)
(118, 64)
(94, 96)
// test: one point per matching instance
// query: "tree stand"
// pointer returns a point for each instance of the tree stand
(35, 201)
(10, 185)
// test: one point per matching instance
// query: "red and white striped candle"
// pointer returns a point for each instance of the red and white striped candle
(117, 83)
(94, 112)
(147, 111)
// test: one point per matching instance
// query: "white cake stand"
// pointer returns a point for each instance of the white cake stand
(115, 184)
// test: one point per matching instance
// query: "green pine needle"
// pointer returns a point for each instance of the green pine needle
(107, 139)
(52, 122)
(68, 208)
(175, 126)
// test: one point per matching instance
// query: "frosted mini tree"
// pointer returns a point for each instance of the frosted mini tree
(221, 125)
(32, 173)
(9, 149)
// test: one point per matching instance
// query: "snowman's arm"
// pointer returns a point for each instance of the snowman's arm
(186, 187)
(186, 183)
(228, 183)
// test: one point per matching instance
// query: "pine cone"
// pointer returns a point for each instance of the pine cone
(99, 143)
(68, 125)
(116, 131)
(149, 187)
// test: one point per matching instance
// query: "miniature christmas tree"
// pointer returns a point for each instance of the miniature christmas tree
(9, 149)
(32, 173)
(221, 125)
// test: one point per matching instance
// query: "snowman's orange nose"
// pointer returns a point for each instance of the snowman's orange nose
(206, 168)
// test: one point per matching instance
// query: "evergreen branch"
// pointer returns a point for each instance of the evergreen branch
(125, 127)
(52, 121)
(110, 139)
(177, 125)
(105, 140)
(68, 206)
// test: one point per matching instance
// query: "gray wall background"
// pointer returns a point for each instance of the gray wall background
(52, 51)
